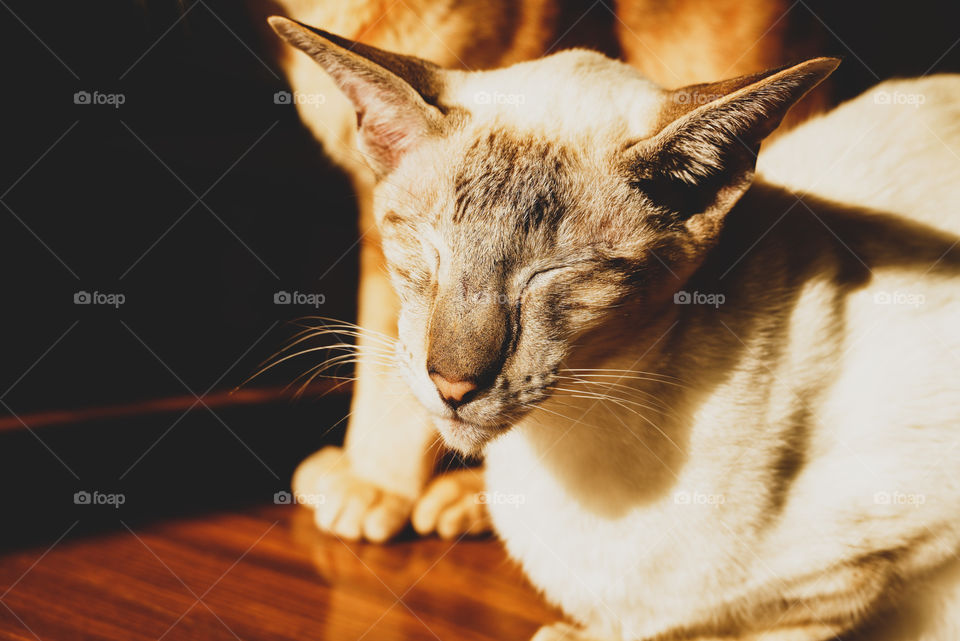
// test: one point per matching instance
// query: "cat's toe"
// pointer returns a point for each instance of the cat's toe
(319, 471)
(359, 499)
(466, 516)
(345, 505)
(386, 518)
(328, 510)
(452, 505)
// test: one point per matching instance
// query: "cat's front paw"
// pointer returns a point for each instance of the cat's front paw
(346, 505)
(452, 505)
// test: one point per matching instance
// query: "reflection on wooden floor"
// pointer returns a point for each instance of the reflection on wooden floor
(263, 574)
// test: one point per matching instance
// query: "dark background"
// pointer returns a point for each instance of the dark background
(100, 198)
(103, 198)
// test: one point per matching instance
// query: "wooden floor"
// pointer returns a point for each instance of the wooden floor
(266, 574)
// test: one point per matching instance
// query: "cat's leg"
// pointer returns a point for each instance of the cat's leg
(453, 504)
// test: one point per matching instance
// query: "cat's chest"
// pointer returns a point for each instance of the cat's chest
(621, 567)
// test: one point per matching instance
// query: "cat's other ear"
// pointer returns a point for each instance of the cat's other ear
(703, 158)
(394, 95)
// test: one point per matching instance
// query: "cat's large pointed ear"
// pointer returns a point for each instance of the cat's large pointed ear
(394, 95)
(703, 158)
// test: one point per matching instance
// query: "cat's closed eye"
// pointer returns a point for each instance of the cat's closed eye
(542, 277)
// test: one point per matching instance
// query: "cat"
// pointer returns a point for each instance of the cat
(717, 397)
(379, 478)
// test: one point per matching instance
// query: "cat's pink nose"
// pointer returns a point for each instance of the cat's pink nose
(453, 392)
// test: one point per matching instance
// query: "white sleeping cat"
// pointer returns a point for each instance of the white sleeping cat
(712, 405)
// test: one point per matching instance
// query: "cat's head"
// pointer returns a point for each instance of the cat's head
(522, 208)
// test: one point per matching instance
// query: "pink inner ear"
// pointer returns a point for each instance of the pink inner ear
(388, 126)
(388, 131)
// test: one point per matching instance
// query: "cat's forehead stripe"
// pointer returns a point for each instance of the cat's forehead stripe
(504, 175)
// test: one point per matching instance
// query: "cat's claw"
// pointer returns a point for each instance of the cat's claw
(452, 505)
(345, 505)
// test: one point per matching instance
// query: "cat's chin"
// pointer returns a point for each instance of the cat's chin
(467, 438)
